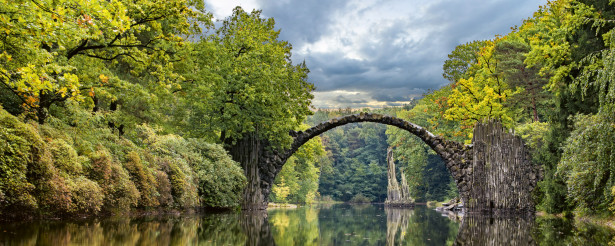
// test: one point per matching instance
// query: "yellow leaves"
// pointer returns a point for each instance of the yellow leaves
(31, 101)
(103, 79)
(482, 95)
(63, 91)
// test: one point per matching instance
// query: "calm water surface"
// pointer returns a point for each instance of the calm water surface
(319, 225)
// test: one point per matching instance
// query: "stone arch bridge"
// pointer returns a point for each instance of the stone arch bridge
(493, 174)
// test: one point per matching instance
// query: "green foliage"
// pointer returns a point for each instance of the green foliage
(144, 179)
(20, 146)
(461, 59)
(533, 133)
(360, 198)
(250, 84)
(426, 174)
(86, 195)
(54, 51)
(220, 179)
(356, 159)
(297, 182)
(199, 173)
(588, 162)
(483, 94)
(66, 158)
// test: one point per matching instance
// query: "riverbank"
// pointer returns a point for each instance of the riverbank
(281, 205)
(605, 221)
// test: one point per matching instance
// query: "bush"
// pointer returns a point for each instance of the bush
(65, 157)
(588, 162)
(143, 178)
(54, 193)
(163, 185)
(20, 148)
(195, 169)
(86, 196)
(220, 179)
(360, 198)
(120, 193)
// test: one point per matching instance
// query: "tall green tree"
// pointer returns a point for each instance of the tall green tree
(244, 91)
(250, 85)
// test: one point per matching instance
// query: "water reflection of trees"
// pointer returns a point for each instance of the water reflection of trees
(223, 229)
(345, 225)
(419, 226)
(484, 230)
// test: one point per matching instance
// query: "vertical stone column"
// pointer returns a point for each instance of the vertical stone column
(396, 195)
(502, 175)
(393, 191)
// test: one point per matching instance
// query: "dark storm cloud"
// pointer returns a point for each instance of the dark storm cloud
(302, 21)
(390, 51)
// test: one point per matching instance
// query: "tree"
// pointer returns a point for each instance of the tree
(511, 53)
(461, 59)
(250, 93)
(482, 95)
(254, 87)
(48, 48)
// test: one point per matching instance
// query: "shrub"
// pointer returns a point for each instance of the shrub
(360, 198)
(163, 186)
(588, 162)
(143, 178)
(192, 163)
(20, 147)
(86, 196)
(220, 179)
(65, 157)
(54, 194)
(120, 193)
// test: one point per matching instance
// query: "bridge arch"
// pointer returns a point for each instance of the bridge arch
(493, 173)
(443, 147)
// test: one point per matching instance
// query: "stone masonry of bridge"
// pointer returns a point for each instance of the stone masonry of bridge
(494, 174)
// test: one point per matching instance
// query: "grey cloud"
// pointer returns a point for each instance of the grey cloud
(302, 21)
(345, 100)
(393, 71)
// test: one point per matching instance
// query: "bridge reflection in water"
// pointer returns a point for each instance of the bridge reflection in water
(335, 225)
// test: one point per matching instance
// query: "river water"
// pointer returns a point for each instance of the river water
(338, 224)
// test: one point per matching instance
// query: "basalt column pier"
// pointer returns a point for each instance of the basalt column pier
(495, 176)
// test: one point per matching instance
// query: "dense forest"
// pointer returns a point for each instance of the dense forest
(109, 106)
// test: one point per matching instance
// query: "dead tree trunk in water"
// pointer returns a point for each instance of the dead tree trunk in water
(396, 195)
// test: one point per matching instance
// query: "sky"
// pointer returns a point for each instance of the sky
(376, 53)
